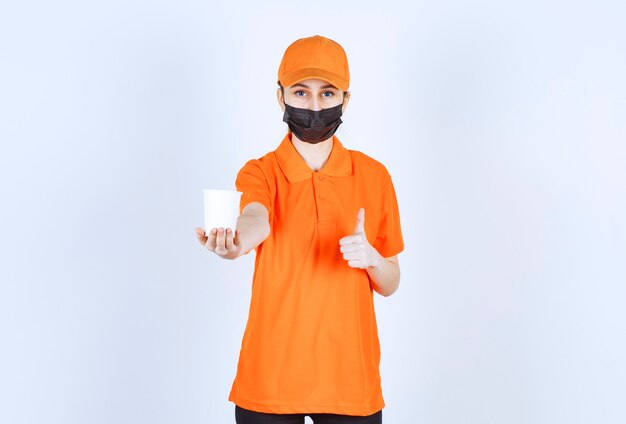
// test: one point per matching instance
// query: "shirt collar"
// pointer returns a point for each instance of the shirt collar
(339, 163)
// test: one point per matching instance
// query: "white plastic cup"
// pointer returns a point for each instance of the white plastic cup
(221, 209)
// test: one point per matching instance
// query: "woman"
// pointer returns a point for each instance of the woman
(325, 226)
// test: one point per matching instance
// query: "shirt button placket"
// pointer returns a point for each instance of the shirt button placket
(323, 207)
(320, 178)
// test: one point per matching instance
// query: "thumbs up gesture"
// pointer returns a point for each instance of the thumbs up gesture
(355, 247)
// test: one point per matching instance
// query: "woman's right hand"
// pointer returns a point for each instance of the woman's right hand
(251, 229)
(220, 241)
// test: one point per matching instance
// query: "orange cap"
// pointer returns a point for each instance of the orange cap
(314, 57)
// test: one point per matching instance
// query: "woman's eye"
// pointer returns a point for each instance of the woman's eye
(299, 91)
(328, 92)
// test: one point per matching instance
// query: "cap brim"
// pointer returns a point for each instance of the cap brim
(307, 73)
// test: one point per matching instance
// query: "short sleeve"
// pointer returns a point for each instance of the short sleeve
(389, 241)
(252, 183)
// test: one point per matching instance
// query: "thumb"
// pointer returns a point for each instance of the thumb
(360, 222)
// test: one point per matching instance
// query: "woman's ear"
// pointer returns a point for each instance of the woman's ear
(279, 97)
(346, 98)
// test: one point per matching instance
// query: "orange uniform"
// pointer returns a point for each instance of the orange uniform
(311, 341)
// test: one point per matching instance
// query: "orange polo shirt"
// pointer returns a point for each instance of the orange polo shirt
(311, 340)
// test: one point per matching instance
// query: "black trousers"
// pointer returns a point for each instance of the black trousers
(245, 416)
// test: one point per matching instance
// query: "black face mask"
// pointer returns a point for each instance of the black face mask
(313, 126)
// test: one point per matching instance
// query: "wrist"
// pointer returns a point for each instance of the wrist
(378, 260)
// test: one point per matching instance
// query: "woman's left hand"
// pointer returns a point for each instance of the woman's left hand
(356, 248)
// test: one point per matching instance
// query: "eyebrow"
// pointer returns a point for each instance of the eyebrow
(306, 86)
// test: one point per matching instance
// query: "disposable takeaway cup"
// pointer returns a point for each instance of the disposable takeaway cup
(221, 209)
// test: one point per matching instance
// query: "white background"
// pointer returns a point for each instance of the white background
(504, 128)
